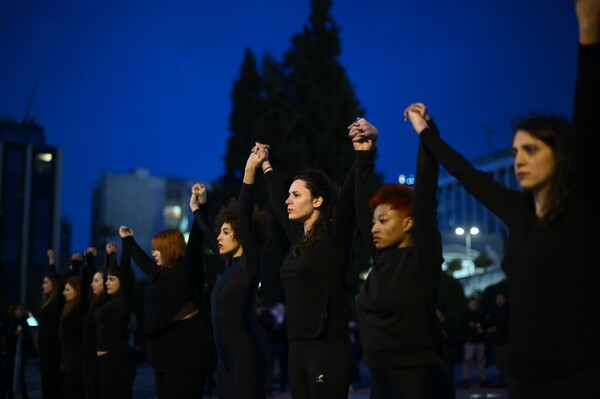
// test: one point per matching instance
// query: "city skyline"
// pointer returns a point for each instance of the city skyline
(121, 86)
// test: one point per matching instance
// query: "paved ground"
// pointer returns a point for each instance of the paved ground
(144, 385)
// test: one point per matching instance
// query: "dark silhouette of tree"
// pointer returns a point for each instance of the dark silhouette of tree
(301, 107)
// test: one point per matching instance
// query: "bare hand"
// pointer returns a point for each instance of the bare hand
(77, 256)
(51, 256)
(417, 115)
(112, 247)
(363, 134)
(125, 231)
(198, 196)
(258, 154)
(91, 250)
(588, 17)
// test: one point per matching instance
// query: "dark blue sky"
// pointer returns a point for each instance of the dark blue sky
(125, 84)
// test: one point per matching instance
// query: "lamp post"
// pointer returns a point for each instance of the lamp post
(472, 231)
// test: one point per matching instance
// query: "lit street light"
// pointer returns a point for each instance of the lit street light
(472, 231)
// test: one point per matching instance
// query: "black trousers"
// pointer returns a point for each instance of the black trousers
(581, 384)
(91, 380)
(320, 368)
(181, 384)
(117, 373)
(425, 382)
(49, 361)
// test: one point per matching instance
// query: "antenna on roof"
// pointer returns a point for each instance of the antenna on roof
(26, 118)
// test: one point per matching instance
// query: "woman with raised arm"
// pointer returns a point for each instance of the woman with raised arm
(116, 369)
(71, 330)
(179, 340)
(242, 233)
(48, 341)
(398, 325)
(550, 260)
(94, 280)
(320, 227)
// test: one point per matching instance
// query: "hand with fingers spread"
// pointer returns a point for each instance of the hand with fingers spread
(363, 135)
(417, 115)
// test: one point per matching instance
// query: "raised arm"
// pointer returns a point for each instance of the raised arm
(127, 277)
(364, 137)
(193, 261)
(140, 257)
(586, 110)
(51, 261)
(248, 237)
(89, 269)
(277, 196)
(493, 195)
(111, 254)
(426, 236)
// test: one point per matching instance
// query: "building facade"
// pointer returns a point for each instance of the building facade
(458, 209)
(30, 202)
(145, 203)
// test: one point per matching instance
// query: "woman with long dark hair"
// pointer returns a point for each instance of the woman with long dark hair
(242, 232)
(179, 340)
(319, 225)
(71, 332)
(550, 259)
(48, 341)
(116, 368)
(95, 279)
(398, 325)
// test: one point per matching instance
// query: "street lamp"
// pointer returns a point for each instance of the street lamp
(472, 231)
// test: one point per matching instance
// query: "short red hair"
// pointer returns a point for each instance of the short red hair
(399, 197)
(171, 244)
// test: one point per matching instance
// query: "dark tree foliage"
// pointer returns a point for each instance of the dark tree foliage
(301, 107)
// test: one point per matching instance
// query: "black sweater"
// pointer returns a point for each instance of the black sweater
(314, 282)
(396, 303)
(112, 318)
(170, 288)
(553, 271)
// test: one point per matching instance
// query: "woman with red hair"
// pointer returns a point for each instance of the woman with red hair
(179, 341)
(396, 304)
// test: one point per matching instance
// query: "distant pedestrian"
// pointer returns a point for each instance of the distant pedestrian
(474, 337)
(497, 330)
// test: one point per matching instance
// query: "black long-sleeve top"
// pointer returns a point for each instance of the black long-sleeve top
(396, 303)
(49, 320)
(314, 282)
(234, 294)
(112, 318)
(553, 271)
(88, 343)
(71, 324)
(170, 288)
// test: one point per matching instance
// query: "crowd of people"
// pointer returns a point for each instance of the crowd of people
(552, 277)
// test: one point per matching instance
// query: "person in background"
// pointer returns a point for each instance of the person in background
(497, 331)
(48, 341)
(19, 344)
(472, 327)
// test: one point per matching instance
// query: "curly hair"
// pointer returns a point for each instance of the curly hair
(229, 214)
(171, 244)
(556, 132)
(319, 185)
(397, 196)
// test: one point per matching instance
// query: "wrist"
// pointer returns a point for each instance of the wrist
(266, 169)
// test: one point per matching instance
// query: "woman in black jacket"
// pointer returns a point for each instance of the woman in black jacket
(179, 340)
(398, 325)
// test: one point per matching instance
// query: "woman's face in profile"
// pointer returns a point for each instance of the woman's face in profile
(534, 162)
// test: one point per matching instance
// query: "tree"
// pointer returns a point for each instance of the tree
(301, 107)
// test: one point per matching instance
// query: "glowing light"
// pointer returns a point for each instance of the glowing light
(46, 157)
